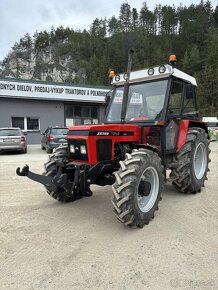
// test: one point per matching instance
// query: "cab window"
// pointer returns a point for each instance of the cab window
(175, 101)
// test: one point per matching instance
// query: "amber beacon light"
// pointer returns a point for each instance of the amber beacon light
(111, 73)
(172, 59)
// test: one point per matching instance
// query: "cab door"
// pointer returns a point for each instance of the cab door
(173, 115)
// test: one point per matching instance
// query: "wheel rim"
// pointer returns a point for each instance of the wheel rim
(200, 160)
(147, 190)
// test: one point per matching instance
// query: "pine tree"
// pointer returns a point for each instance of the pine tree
(125, 17)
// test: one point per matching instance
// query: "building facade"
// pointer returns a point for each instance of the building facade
(35, 105)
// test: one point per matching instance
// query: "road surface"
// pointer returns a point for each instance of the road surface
(48, 245)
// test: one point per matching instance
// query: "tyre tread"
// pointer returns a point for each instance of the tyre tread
(181, 175)
(123, 189)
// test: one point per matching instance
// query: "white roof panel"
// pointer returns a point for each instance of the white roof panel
(143, 75)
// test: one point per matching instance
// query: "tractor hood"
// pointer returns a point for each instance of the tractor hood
(96, 143)
(105, 130)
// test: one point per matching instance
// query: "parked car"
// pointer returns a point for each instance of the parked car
(12, 139)
(53, 137)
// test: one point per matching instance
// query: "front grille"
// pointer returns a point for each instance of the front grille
(104, 149)
(77, 155)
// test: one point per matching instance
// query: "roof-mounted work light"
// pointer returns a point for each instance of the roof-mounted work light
(150, 71)
(117, 78)
(162, 69)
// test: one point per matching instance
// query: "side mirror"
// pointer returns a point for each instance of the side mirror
(108, 98)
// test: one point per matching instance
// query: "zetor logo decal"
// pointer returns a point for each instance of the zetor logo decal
(112, 133)
(103, 133)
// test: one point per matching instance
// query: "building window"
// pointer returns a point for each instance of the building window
(81, 115)
(26, 123)
(32, 123)
(18, 122)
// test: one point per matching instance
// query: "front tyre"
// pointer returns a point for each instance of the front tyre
(138, 187)
(191, 162)
(52, 168)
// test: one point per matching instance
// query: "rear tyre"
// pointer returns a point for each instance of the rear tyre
(51, 169)
(25, 150)
(138, 186)
(191, 162)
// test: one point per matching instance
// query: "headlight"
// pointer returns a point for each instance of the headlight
(82, 149)
(72, 148)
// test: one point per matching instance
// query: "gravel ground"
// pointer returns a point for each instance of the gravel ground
(48, 245)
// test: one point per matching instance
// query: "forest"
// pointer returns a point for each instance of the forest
(189, 32)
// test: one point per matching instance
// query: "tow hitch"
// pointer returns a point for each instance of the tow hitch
(59, 180)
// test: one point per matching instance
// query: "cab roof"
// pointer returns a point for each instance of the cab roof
(153, 73)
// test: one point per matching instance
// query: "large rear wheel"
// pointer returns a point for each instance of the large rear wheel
(191, 162)
(138, 187)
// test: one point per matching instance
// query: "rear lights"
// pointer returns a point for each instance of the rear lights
(50, 138)
(22, 139)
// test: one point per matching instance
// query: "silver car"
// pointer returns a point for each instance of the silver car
(12, 139)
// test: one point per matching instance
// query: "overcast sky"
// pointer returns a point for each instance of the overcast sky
(18, 17)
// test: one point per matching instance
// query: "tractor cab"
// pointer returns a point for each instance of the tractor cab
(153, 94)
(156, 99)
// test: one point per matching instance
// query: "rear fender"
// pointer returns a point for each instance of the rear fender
(183, 130)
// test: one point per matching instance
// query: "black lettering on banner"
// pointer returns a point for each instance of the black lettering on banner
(98, 93)
(24, 88)
(8, 87)
(44, 89)
(51, 89)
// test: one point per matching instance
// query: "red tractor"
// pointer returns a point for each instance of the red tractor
(151, 126)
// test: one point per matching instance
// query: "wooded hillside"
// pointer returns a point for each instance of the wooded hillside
(189, 32)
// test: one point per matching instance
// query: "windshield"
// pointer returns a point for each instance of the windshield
(59, 131)
(10, 132)
(145, 101)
